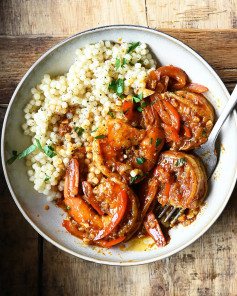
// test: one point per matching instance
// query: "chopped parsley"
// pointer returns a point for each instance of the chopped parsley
(143, 105)
(153, 102)
(204, 133)
(117, 86)
(124, 112)
(80, 131)
(82, 145)
(94, 130)
(13, 158)
(181, 161)
(151, 140)
(137, 177)
(121, 97)
(76, 128)
(46, 178)
(141, 61)
(117, 63)
(158, 141)
(101, 137)
(124, 62)
(140, 160)
(131, 64)
(48, 150)
(111, 114)
(137, 98)
(39, 145)
(68, 208)
(133, 46)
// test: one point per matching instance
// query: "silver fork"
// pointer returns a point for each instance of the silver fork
(207, 153)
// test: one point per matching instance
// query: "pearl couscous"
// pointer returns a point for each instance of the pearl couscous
(82, 100)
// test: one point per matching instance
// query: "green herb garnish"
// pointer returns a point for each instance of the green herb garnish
(101, 137)
(204, 133)
(46, 178)
(13, 158)
(80, 131)
(144, 105)
(139, 109)
(49, 151)
(111, 114)
(124, 112)
(140, 160)
(131, 64)
(151, 140)
(82, 145)
(39, 145)
(124, 62)
(153, 102)
(141, 61)
(76, 128)
(94, 130)
(137, 98)
(121, 97)
(181, 161)
(137, 177)
(133, 46)
(68, 208)
(158, 141)
(117, 63)
(117, 86)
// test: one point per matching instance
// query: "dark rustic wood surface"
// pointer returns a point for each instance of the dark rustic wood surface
(30, 265)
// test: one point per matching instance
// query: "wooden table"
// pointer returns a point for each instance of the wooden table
(30, 265)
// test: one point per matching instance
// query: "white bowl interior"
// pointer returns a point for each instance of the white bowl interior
(168, 51)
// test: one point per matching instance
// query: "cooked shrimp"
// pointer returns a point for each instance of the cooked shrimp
(101, 211)
(187, 118)
(178, 180)
(128, 148)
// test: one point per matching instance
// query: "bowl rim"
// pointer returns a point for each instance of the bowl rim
(13, 194)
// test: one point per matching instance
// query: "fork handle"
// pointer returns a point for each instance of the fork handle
(225, 113)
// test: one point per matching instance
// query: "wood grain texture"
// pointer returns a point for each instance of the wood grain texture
(61, 17)
(19, 53)
(18, 246)
(30, 265)
(209, 14)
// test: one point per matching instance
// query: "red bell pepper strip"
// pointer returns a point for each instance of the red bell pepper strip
(153, 228)
(128, 109)
(175, 118)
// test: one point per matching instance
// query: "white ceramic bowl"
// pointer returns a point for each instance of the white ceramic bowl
(57, 60)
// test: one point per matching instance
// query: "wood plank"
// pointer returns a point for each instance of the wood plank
(64, 17)
(209, 14)
(17, 54)
(67, 17)
(18, 245)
